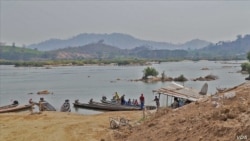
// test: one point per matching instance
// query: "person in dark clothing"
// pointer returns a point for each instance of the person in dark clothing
(157, 101)
(15, 102)
(142, 100)
(104, 98)
(123, 100)
(176, 103)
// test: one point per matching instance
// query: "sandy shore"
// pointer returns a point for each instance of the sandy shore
(57, 126)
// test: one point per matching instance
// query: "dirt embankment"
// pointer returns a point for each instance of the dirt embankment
(225, 117)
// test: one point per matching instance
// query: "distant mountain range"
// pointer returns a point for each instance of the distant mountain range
(122, 41)
(222, 50)
(229, 50)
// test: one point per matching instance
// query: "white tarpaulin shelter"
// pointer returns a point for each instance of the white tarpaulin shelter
(176, 90)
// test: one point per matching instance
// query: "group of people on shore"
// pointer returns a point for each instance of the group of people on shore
(122, 100)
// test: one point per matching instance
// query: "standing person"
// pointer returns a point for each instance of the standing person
(142, 100)
(157, 101)
(117, 96)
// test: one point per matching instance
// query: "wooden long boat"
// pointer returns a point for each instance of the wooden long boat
(110, 102)
(8, 106)
(148, 107)
(105, 107)
(116, 105)
(14, 104)
(16, 109)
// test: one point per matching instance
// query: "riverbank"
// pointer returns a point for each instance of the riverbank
(57, 126)
(223, 117)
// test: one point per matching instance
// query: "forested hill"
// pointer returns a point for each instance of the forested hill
(238, 47)
(18, 53)
(94, 50)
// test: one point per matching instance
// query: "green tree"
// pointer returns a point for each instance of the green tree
(248, 69)
(149, 71)
(244, 66)
(181, 78)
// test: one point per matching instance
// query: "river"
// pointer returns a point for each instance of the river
(86, 82)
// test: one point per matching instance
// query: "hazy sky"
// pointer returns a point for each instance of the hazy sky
(26, 21)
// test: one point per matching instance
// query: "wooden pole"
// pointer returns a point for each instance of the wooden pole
(143, 110)
(167, 100)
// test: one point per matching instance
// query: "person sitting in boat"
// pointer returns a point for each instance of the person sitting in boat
(91, 101)
(15, 102)
(129, 102)
(104, 98)
(116, 97)
(123, 100)
(32, 102)
(45, 106)
(66, 106)
(77, 101)
(41, 107)
(136, 103)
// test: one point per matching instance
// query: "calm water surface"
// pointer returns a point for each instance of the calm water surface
(85, 82)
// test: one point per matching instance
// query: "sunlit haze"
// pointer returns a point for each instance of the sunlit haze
(27, 22)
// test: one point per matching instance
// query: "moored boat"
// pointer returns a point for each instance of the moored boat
(16, 109)
(148, 107)
(110, 102)
(14, 104)
(104, 107)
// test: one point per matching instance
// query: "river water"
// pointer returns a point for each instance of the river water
(86, 82)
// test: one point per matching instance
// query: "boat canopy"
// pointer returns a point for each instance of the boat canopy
(179, 91)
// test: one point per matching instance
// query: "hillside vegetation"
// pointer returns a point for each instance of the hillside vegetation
(18, 53)
(232, 50)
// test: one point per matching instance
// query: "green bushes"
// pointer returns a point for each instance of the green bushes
(248, 69)
(149, 71)
(248, 56)
(181, 78)
(244, 66)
